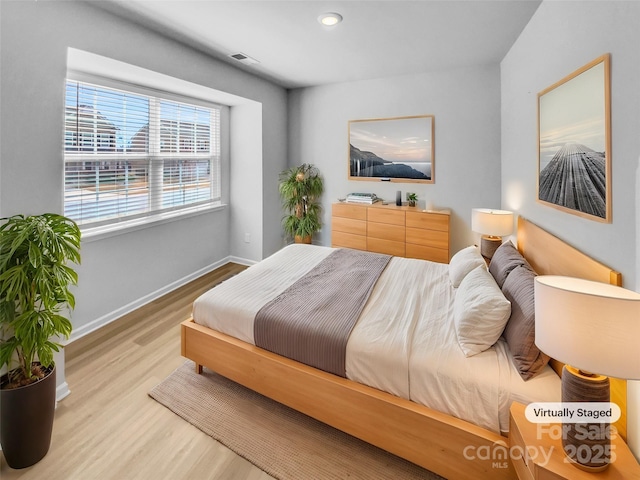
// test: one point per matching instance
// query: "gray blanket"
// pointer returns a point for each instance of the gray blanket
(312, 319)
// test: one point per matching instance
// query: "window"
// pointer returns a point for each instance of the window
(129, 155)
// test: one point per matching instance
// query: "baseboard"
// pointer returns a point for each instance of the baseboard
(130, 307)
(242, 261)
(62, 391)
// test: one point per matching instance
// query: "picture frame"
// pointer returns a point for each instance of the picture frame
(399, 149)
(574, 142)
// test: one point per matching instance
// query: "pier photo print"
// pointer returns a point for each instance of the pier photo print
(575, 142)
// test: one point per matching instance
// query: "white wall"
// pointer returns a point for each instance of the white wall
(560, 38)
(246, 183)
(121, 271)
(466, 105)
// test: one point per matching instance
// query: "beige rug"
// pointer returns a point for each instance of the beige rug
(280, 441)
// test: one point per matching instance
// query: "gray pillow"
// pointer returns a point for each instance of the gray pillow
(506, 258)
(519, 332)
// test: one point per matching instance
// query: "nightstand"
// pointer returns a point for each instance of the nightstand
(544, 458)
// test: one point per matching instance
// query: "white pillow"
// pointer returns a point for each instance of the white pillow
(480, 312)
(463, 262)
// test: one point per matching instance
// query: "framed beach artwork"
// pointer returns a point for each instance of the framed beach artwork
(574, 141)
(397, 149)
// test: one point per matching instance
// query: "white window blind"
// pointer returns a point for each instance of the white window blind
(129, 155)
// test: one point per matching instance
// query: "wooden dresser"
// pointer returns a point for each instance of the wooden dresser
(400, 231)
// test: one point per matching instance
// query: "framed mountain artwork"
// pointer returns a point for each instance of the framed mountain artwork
(574, 141)
(392, 149)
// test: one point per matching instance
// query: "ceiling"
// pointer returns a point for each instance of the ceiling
(376, 39)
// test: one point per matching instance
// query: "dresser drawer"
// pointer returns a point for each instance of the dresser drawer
(429, 221)
(431, 238)
(424, 252)
(385, 231)
(348, 240)
(348, 225)
(346, 210)
(384, 215)
(399, 231)
(388, 247)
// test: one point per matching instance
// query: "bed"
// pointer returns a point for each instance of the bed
(391, 415)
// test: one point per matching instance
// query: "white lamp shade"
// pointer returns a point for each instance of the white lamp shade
(497, 223)
(589, 325)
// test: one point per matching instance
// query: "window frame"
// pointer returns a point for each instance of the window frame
(123, 224)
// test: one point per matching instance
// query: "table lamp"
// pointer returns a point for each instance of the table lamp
(594, 328)
(492, 225)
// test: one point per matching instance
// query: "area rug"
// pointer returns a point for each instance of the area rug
(286, 444)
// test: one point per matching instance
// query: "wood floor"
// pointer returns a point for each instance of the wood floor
(109, 428)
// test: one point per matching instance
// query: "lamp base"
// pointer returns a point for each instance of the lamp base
(489, 245)
(587, 468)
(587, 445)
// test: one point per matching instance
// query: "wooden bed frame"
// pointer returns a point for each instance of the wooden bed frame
(438, 442)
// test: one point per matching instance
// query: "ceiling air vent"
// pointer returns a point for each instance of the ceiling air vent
(246, 59)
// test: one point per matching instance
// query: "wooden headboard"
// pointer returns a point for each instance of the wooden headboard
(548, 255)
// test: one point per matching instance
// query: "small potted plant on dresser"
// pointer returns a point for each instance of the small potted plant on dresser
(412, 198)
(34, 292)
(300, 188)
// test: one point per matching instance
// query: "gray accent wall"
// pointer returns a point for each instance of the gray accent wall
(121, 272)
(560, 38)
(466, 106)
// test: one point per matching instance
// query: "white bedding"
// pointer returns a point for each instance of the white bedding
(232, 306)
(403, 343)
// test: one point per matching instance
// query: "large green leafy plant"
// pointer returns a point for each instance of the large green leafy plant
(300, 188)
(34, 291)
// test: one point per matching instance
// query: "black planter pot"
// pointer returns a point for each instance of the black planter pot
(26, 421)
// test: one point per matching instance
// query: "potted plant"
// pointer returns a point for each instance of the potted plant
(300, 189)
(34, 292)
(412, 198)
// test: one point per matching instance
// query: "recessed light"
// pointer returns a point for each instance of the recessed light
(330, 19)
